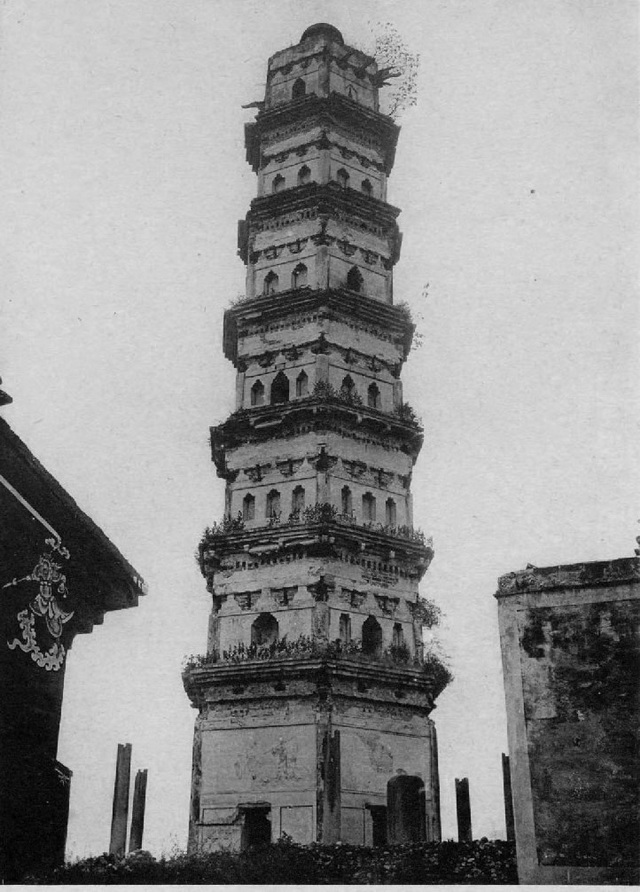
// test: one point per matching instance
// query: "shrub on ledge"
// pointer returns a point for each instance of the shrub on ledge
(306, 646)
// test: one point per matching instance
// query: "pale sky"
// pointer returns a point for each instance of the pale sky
(122, 178)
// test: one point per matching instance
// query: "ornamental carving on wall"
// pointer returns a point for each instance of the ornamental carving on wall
(44, 611)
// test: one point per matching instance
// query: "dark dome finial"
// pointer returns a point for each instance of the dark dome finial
(325, 30)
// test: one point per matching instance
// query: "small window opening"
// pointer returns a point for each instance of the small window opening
(302, 384)
(347, 501)
(248, 507)
(299, 89)
(278, 183)
(366, 187)
(280, 388)
(368, 508)
(398, 635)
(373, 396)
(297, 500)
(271, 282)
(354, 279)
(347, 388)
(299, 276)
(273, 505)
(345, 628)
(304, 175)
(257, 394)
(390, 513)
(343, 178)
(371, 637)
(264, 630)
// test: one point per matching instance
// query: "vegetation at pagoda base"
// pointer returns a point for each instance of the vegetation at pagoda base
(487, 862)
(307, 647)
(322, 512)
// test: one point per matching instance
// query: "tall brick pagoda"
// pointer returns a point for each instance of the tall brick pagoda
(315, 694)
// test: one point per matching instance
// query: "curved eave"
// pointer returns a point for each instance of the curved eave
(327, 197)
(327, 535)
(324, 671)
(337, 109)
(338, 302)
(265, 421)
(100, 579)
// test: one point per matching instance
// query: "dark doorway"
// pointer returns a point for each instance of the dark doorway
(379, 824)
(371, 637)
(256, 827)
(280, 389)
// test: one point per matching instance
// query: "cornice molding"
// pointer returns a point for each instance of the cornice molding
(336, 109)
(286, 420)
(369, 680)
(339, 303)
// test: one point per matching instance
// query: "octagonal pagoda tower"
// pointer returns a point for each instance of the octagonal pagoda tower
(314, 693)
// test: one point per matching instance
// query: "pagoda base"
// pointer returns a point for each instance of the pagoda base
(306, 747)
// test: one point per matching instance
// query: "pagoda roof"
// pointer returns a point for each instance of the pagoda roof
(37, 508)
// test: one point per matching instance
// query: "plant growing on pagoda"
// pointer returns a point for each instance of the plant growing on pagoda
(395, 61)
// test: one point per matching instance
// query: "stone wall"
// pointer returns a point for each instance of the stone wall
(571, 653)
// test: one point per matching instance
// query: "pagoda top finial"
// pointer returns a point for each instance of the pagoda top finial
(322, 29)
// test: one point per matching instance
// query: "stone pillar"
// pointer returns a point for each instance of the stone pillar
(463, 810)
(330, 800)
(322, 367)
(213, 636)
(434, 826)
(239, 390)
(397, 393)
(322, 267)
(406, 820)
(508, 798)
(137, 811)
(120, 814)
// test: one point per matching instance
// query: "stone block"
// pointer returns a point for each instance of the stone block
(570, 640)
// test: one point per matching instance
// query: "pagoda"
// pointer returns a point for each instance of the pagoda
(314, 696)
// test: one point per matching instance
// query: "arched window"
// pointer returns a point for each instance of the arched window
(371, 637)
(280, 388)
(299, 89)
(264, 630)
(368, 508)
(390, 517)
(366, 187)
(278, 183)
(299, 276)
(248, 507)
(347, 388)
(271, 282)
(354, 279)
(273, 505)
(257, 394)
(302, 384)
(398, 635)
(297, 500)
(304, 175)
(373, 396)
(345, 628)
(352, 93)
(346, 500)
(343, 178)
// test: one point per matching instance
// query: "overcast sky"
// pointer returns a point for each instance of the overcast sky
(122, 177)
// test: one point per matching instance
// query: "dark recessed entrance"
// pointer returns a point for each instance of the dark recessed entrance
(256, 826)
